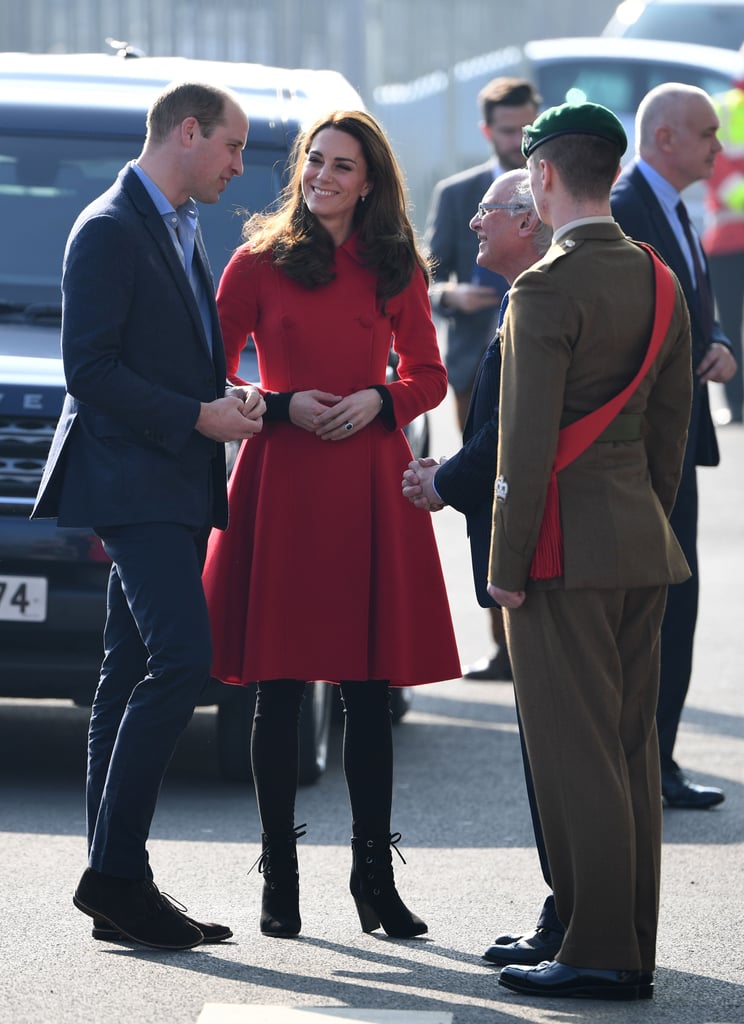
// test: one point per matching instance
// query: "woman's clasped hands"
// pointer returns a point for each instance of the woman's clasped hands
(334, 417)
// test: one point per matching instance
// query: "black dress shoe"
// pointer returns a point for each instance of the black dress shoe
(212, 932)
(137, 910)
(535, 948)
(678, 791)
(495, 669)
(556, 979)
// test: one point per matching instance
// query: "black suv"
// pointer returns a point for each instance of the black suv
(67, 126)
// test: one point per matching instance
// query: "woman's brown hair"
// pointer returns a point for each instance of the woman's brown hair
(304, 249)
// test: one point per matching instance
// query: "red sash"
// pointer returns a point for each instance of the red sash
(547, 562)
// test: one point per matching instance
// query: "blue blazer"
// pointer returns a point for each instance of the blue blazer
(640, 215)
(137, 365)
(467, 479)
(454, 247)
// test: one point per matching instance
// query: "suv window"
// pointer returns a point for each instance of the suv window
(714, 24)
(618, 84)
(46, 182)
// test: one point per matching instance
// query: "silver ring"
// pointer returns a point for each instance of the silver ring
(348, 425)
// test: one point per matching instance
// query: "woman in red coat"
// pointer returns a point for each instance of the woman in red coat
(325, 571)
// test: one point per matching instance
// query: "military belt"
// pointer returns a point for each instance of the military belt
(625, 427)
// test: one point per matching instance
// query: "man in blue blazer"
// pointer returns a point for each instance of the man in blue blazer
(138, 455)
(510, 239)
(676, 129)
(465, 293)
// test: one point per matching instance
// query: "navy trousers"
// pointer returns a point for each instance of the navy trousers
(680, 619)
(157, 659)
(727, 274)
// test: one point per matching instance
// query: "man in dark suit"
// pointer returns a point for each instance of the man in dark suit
(676, 129)
(465, 293)
(510, 239)
(139, 456)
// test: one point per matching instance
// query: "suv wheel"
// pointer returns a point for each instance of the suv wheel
(234, 724)
(235, 721)
(400, 701)
(315, 727)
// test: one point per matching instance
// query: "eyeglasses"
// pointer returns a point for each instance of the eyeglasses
(484, 208)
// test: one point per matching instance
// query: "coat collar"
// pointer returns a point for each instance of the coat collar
(153, 221)
(599, 229)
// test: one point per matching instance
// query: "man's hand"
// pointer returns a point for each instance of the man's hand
(465, 298)
(254, 406)
(507, 598)
(418, 484)
(718, 364)
(225, 419)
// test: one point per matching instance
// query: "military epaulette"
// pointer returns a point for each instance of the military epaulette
(560, 249)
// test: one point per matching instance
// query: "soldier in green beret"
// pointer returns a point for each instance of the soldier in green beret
(595, 400)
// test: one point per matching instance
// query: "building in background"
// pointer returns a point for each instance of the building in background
(373, 43)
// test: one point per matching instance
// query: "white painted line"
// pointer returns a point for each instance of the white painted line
(231, 1013)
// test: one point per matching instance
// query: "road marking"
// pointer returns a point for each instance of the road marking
(231, 1013)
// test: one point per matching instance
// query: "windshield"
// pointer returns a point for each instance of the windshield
(709, 24)
(46, 182)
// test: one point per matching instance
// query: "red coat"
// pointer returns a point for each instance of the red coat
(326, 571)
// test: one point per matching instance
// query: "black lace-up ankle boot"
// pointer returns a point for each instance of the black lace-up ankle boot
(280, 901)
(372, 886)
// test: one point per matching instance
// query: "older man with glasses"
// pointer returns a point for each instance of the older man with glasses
(510, 238)
(466, 294)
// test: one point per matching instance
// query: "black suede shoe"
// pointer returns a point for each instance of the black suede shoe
(534, 948)
(678, 791)
(212, 932)
(556, 979)
(137, 910)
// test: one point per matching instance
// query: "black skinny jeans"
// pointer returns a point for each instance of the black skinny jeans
(367, 753)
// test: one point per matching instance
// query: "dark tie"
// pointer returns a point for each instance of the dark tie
(494, 347)
(704, 294)
(502, 307)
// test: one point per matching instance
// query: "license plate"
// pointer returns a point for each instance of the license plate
(23, 598)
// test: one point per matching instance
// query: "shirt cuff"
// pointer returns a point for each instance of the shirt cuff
(434, 488)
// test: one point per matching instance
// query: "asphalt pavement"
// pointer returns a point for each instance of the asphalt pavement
(471, 868)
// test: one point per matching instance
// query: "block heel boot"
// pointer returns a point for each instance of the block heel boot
(280, 900)
(373, 889)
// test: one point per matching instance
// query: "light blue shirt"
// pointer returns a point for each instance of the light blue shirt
(182, 225)
(668, 197)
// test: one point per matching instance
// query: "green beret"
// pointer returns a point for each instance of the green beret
(574, 119)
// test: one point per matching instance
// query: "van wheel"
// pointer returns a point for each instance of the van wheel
(315, 727)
